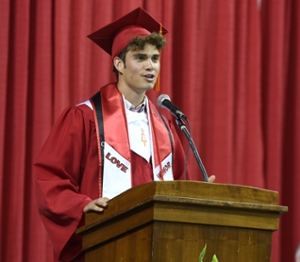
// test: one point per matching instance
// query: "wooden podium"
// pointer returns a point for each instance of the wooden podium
(172, 221)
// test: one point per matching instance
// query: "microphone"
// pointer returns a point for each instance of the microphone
(164, 101)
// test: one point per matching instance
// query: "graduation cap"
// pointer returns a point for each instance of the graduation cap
(114, 37)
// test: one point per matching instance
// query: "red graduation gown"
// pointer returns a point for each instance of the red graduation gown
(67, 177)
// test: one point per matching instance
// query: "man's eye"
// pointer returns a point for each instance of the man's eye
(140, 58)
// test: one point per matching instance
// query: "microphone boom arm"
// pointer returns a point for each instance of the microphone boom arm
(183, 128)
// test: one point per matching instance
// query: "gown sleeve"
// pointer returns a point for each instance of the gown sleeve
(57, 174)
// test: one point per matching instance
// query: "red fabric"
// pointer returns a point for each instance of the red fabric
(65, 159)
(114, 117)
(114, 37)
(233, 69)
(67, 169)
(281, 115)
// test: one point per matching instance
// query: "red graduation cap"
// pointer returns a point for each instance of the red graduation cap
(114, 37)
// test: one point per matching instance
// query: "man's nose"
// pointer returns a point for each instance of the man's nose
(150, 64)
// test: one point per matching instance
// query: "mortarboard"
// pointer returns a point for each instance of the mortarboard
(114, 37)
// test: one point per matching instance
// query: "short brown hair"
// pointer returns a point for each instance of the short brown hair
(138, 43)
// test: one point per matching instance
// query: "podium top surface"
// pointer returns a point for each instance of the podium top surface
(191, 193)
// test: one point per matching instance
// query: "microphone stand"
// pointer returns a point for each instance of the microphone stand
(183, 128)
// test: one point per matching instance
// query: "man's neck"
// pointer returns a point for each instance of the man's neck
(135, 98)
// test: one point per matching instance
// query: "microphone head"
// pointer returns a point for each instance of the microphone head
(161, 98)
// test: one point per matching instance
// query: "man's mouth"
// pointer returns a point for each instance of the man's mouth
(149, 77)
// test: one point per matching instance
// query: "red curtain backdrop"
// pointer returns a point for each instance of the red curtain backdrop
(281, 114)
(232, 66)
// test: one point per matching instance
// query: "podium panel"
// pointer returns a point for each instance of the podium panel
(174, 220)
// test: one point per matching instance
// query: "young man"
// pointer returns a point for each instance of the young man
(110, 143)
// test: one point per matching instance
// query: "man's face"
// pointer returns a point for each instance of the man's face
(141, 69)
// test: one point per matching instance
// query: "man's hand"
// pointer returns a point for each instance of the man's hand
(211, 179)
(97, 205)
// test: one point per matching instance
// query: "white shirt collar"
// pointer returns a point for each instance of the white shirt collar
(140, 108)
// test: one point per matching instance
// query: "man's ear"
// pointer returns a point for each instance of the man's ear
(119, 64)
